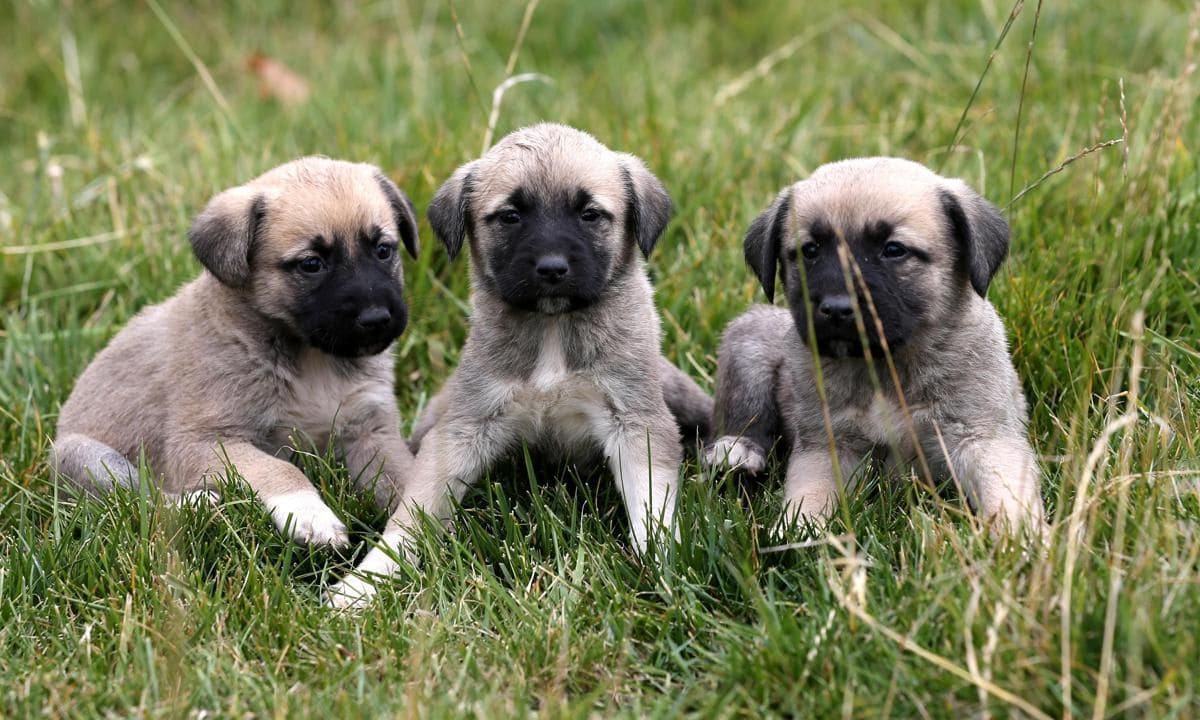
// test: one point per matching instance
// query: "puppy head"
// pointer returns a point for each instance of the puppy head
(552, 217)
(876, 231)
(313, 244)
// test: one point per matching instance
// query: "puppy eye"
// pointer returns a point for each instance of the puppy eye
(311, 264)
(894, 250)
(590, 215)
(385, 252)
(509, 217)
(811, 250)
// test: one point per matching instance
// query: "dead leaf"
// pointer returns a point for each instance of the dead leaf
(278, 81)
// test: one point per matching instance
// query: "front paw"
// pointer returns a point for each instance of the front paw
(736, 453)
(351, 593)
(306, 518)
(655, 540)
(793, 520)
(204, 497)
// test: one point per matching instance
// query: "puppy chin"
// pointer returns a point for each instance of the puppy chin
(373, 348)
(352, 347)
(842, 348)
(555, 305)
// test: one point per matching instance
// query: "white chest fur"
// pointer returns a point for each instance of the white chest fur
(314, 395)
(884, 421)
(551, 368)
(557, 402)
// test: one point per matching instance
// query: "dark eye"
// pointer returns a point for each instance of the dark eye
(384, 252)
(811, 250)
(510, 217)
(311, 264)
(893, 249)
(590, 215)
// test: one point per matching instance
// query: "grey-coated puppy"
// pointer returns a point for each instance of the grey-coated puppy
(885, 251)
(286, 332)
(563, 351)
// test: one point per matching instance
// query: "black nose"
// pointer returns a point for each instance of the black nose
(552, 268)
(374, 318)
(836, 307)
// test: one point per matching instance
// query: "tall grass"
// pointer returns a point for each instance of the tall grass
(119, 120)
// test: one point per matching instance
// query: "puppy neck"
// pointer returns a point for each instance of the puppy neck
(551, 367)
(971, 321)
(229, 312)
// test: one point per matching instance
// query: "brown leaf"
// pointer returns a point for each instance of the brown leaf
(277, 81)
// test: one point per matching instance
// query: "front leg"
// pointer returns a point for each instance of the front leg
(376, 454)
(430, 417)
(295, 505)
(645, 460)
(454, 453)
(746, 413)
(999, 476)
(811, 490)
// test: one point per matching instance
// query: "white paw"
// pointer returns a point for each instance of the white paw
(351, 593)
(780, 528)
(307, 519)
(205, 497)
(794, 519)
(664, 537)
(737, 453)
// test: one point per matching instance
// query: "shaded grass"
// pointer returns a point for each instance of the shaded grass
(536, 602)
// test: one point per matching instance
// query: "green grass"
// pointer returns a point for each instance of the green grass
(124, 607)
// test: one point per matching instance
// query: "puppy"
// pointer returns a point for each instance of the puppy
(285, 332)
(563, 351)
(878, 256)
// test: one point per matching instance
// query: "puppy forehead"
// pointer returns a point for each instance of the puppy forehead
(320, 197)
(853, 194)
(549, 164)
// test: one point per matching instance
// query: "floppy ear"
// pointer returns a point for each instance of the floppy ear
(647, 205)
(450, 210)
(223, 234)
(403, 213)
(979, 230)
(764, 240)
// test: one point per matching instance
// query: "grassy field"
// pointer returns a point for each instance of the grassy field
(118, 121)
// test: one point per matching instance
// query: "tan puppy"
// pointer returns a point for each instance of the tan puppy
(563, 352)
(286, 332)
(877, 255)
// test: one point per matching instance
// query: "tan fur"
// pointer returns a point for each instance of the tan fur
(963, 406)
(591, 381)
(217, 376)
(848, 192)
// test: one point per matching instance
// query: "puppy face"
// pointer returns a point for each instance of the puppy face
(552, 217)
(876, 237)
(313, 244)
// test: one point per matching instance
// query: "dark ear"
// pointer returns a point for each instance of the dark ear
(764, 240)
(979, 230)
(403, 213)
(647, 205)
(450, 210)
(223, 234)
